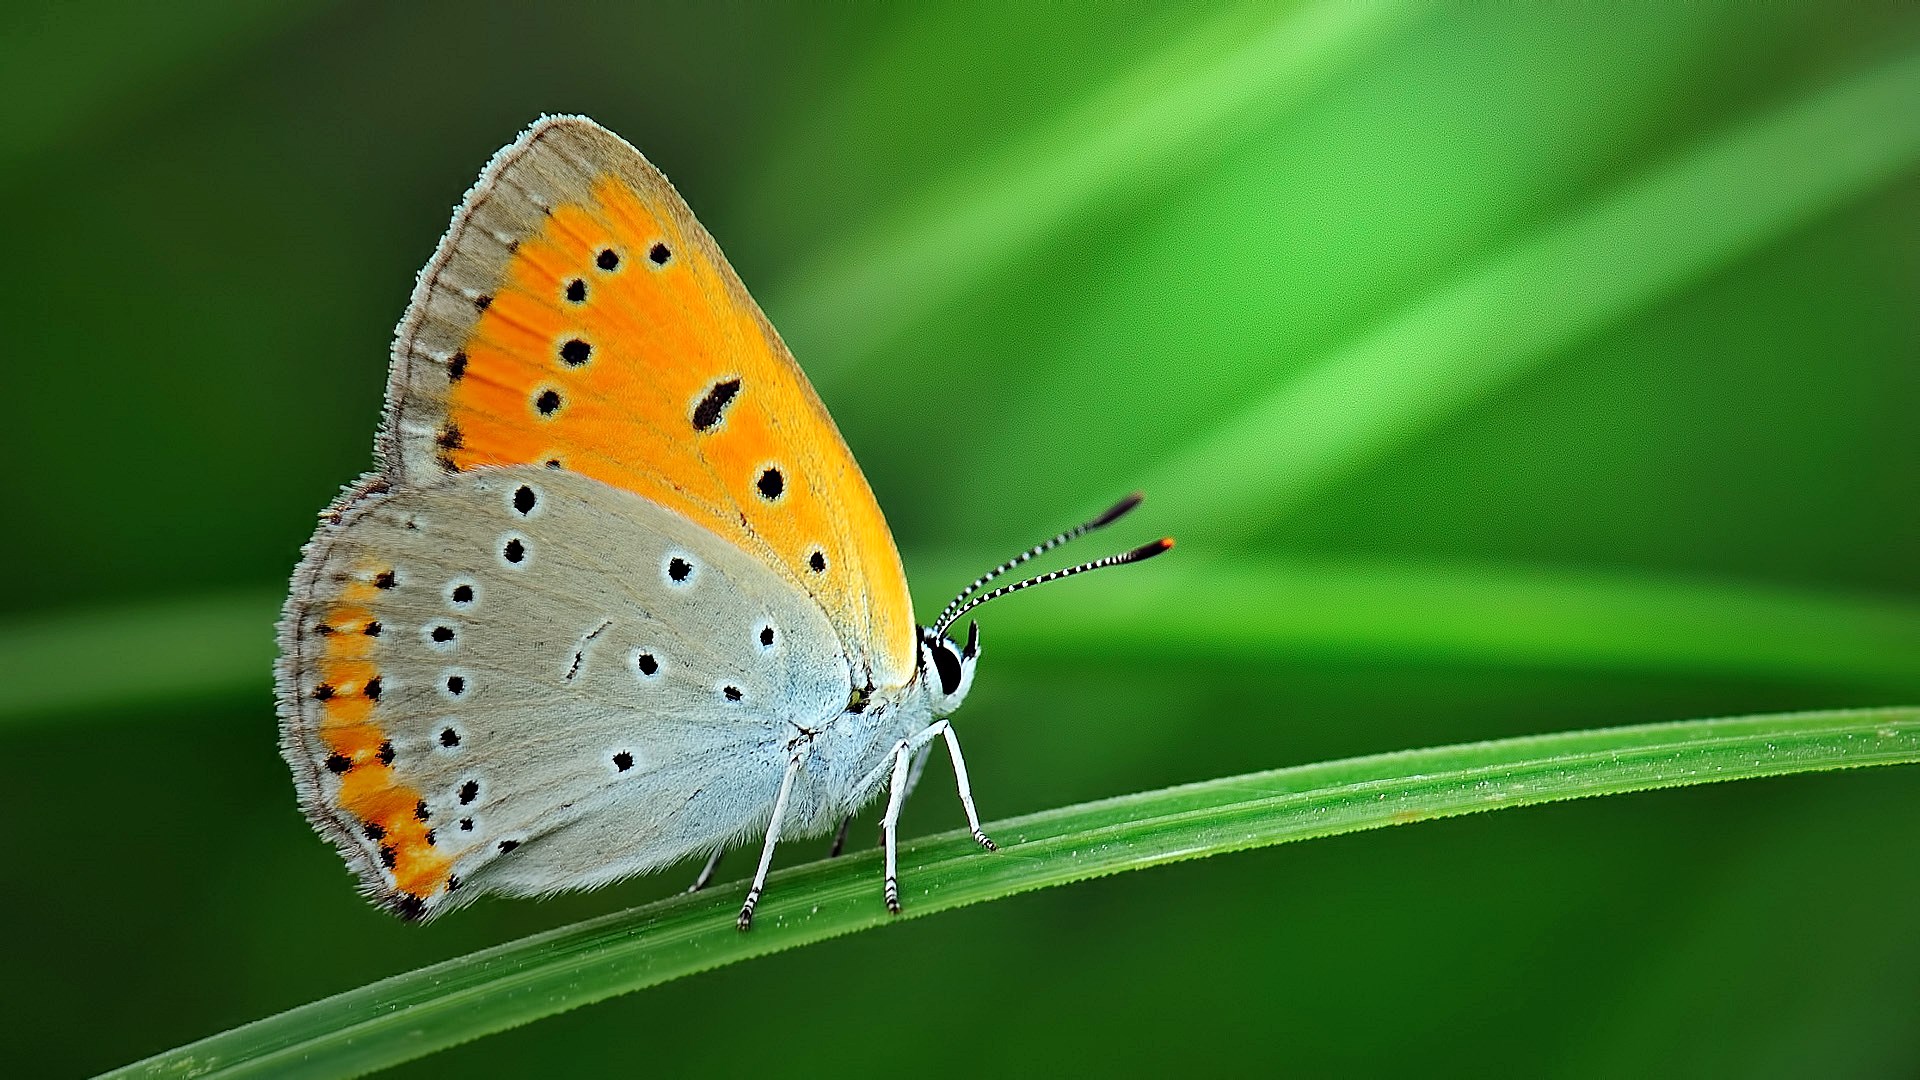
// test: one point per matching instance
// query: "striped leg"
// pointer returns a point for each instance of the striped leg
(766, 853)
(907, 755)
(966, 789)
(889, 825)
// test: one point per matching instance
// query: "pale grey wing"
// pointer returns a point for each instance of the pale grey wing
(522, 680)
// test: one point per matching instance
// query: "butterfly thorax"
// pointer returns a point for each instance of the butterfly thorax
(842, 761)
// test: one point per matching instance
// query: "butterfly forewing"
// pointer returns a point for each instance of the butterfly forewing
(577, 316)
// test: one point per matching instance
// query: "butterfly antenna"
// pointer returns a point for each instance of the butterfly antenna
(1143, 552)
(1113, 513)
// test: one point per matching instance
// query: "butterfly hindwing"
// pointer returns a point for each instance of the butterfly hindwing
(577, 316)
(521, 680)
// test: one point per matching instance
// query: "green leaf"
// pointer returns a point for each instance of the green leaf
(414, 1014)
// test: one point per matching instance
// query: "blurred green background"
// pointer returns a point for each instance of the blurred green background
(1501, 369)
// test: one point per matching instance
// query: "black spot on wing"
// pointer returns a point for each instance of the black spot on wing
(713, 407)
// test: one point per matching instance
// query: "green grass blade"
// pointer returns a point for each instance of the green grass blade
(1463, 612)
(414, 1014)
(156, 652)
(1227, 74)
(183, 650)
(1646, 240)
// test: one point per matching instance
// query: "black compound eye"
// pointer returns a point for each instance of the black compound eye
(947, 666)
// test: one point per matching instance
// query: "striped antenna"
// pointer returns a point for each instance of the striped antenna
(1113, 514)
(1144, 551)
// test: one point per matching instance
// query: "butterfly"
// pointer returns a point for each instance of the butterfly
(616, 593)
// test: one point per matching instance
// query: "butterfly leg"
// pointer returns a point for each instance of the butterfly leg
(966, 788)
(909, 755)
(766, 853)
(919, 766)
(913, 781)
(890, 824)
(706, 872)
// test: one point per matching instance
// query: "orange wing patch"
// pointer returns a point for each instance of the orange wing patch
(578, 316)
(370, 799)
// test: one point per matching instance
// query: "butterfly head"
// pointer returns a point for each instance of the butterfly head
(948, 668)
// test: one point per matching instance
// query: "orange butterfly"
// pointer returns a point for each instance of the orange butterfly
(617, 593)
